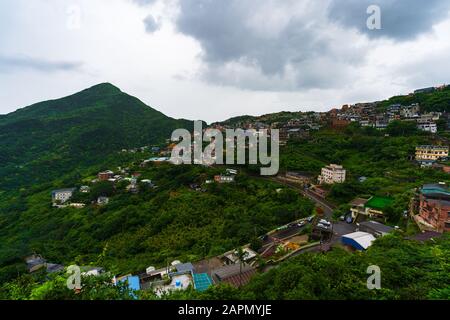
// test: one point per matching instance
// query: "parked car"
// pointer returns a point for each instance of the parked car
(320, 225)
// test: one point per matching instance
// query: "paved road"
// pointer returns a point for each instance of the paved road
(328, 208)
(281, 234)
(339, 228)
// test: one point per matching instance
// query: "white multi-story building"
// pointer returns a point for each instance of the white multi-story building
(427, 126)
(332, 173)
(62, 195)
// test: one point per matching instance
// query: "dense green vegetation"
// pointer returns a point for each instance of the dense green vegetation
(44, 141)
(409, 271)
(365, 152)
(54, 287)
(152, 227)
(66, 142)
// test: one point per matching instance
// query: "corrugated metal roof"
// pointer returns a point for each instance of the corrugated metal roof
(231, 270)
(364, 239)
(184, 267)
(377, 226)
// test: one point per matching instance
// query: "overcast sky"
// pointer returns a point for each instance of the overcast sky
(213, 59)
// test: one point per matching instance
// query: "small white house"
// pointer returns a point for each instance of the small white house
(102, 201)
(85, 189)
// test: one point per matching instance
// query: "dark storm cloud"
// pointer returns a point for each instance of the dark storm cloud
(12, 63)
(400, 19)
(289, 52)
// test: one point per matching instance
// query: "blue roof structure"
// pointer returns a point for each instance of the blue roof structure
(133, 284)
(202, 281)
(438, 190)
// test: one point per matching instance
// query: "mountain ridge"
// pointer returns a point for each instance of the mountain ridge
(78, 129)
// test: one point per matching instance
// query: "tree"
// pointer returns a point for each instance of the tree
(256, 243)
(392, 215)
(241, 255)
(401, 128)
(102, 189)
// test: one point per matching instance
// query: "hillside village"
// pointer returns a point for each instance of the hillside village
(355, 228)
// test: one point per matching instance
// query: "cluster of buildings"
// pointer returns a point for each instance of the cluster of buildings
(36, 262)
(370, 115)
(292, 125)
(61, 198)
(229, 268)
(140, 149)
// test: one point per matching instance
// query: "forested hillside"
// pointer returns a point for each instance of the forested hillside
(65, 143)
(46, 140)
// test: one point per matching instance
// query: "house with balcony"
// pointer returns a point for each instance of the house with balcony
(431, 153)
(331, 174)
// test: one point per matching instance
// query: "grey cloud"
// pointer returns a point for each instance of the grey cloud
(151, 24)
(25, 62)
(245, 46)
(144, 2)
(400, 20)
(433, 69)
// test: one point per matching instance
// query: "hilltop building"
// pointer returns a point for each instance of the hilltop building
(425, 90)
(332, 174)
